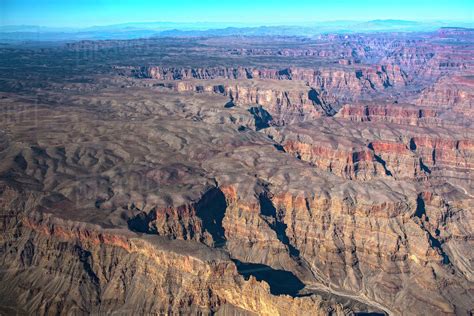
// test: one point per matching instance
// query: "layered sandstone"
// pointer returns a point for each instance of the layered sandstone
(364, 150)
(339, 83)
(285, 101)
(393, 113)
(104, 271)
(456, 93)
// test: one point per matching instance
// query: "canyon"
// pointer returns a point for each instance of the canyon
(239, 175)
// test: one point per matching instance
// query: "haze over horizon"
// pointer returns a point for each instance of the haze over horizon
(107, 12)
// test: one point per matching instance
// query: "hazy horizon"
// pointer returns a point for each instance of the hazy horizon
(90, 13)
(130, 30)
(236, 23)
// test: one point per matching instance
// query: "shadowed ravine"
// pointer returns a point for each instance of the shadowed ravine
(280, 281)
(211, 210)
(270, 214)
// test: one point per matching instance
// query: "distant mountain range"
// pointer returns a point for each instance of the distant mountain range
(161, 29)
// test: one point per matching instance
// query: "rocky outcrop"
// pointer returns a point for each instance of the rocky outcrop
(393, 113)
(453, 93)
(377, 160)
(326, 239)
(363, 153)
(438, 153)
(339, 83)
(337, 245)
(106, 271)
(285, 102)
(349, 162)
(377, 77)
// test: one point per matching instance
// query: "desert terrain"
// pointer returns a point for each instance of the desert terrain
(238, 175)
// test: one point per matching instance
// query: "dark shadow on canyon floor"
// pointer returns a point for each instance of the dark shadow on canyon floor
(211, 210)
(280, 281)
(269, 211)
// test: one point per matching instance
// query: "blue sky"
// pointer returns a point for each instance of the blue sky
(104, 12)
